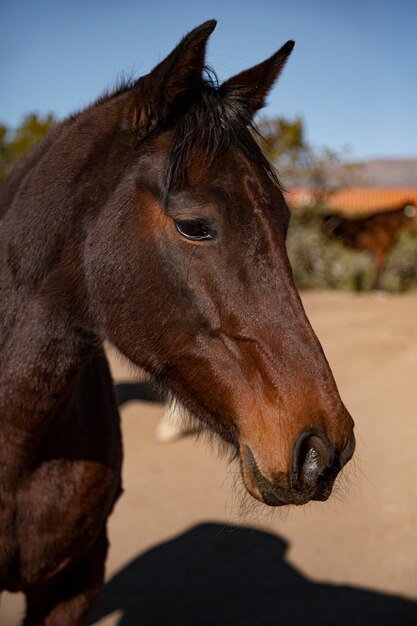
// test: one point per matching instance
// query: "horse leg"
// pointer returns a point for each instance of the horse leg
(68, 598)
(379, 259)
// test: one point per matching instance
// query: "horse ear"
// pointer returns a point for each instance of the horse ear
(177, 77)
(255, 83)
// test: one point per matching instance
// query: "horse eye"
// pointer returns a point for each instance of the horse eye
(196, 229)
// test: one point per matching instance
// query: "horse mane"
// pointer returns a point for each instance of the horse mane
(212, 122)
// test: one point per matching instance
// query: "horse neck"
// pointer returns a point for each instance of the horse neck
(41, 354)
(45, 332)
(70, 182)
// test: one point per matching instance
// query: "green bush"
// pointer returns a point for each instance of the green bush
(401, 269)
(319, 261)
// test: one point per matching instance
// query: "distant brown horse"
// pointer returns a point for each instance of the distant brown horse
(375, 234)
(151, 219)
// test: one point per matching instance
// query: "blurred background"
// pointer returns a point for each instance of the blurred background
(341, 130)
(341, 118)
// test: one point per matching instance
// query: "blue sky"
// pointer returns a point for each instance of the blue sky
(352, 76)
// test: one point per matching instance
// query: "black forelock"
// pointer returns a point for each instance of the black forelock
(209, 124)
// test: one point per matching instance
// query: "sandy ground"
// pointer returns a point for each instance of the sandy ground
(175, 559)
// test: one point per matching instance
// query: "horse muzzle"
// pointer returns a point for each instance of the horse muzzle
(315, 464)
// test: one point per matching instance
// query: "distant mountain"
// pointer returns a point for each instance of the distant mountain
(390, 172)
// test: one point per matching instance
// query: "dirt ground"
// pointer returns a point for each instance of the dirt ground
(177, 558)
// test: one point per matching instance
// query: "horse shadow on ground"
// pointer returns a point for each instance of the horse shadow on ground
(219, 575)
(142, 390)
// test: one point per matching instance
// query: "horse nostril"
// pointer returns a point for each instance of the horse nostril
(312, 456)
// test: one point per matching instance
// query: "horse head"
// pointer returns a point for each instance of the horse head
(190, 279)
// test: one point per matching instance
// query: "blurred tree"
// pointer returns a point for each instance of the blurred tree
(283, 137)
(14, 144)
(4, 153)
(299, 165)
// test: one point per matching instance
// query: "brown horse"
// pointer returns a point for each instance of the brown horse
(376, 234)
(151, 219)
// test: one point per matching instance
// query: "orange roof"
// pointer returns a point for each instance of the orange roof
(355, 200)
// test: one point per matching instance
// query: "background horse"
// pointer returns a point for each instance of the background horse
(151, 219)
(376, 234)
